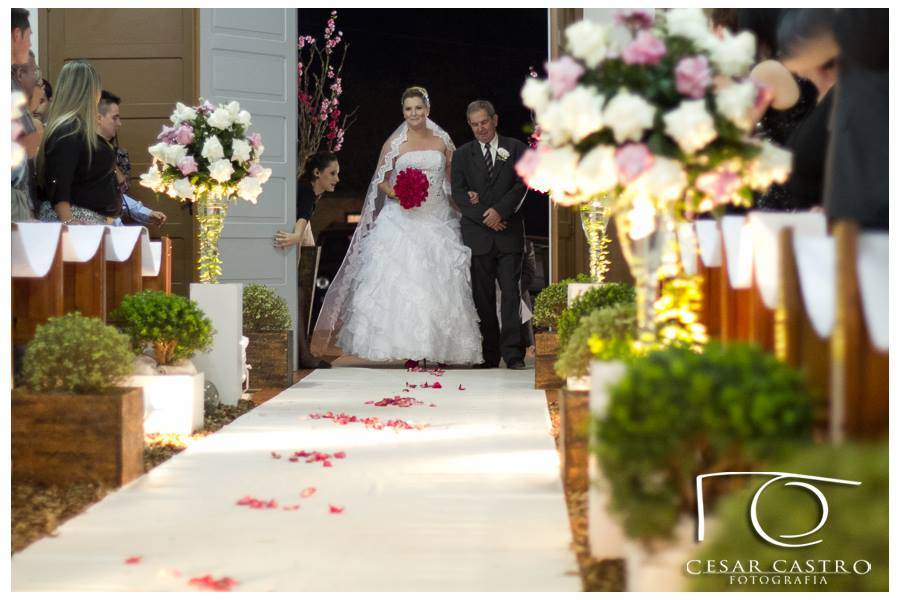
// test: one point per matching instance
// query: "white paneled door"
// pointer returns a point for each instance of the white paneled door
(250, 55)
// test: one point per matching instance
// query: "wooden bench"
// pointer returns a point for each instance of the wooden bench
(37, 277)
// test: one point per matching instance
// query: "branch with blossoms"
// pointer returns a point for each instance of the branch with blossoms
(320, 119)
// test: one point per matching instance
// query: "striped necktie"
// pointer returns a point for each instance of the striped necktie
(488, 162)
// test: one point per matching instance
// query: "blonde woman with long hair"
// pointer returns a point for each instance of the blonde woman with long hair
(74, 163)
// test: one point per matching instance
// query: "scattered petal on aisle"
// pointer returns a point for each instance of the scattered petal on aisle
(335, 510)
(208, 582)
(132, 560)
(308, 492)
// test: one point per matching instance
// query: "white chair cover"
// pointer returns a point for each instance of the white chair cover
(81, 242)
(874, 280)
(122, 241)
(765, 227)
(687, 243)
(33, 246)
(817, 273)
(738, 251)
(709, 241)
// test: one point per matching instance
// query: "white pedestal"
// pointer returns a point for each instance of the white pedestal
(605, 533)
(172, 403)
(661, 566)
(223, 304)
(574, 290)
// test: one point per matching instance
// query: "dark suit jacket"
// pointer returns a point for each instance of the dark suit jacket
(503, 191)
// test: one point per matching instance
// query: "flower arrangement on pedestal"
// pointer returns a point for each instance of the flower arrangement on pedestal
(206, 158)
(652, 118)
(319, 88)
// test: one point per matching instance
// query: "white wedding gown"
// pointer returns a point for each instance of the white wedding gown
(413, 296)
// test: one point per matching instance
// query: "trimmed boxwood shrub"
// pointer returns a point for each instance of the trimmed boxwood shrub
(77, 355)
(551, 301)
(605, 334)
(608, 294)
(264, 309)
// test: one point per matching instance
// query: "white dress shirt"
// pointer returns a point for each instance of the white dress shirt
(493, 145)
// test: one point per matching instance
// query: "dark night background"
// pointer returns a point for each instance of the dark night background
(458, 55)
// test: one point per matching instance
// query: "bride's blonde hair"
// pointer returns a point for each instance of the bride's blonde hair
(416, 91)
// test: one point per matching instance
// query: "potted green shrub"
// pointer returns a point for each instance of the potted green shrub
(267, 323)
(171, 329)
(604, 334)
(857, 527)
(548, 306)
(606, 294)
(676, 414)
(73, 419)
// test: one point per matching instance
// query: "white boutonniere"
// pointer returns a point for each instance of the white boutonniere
(502, 154)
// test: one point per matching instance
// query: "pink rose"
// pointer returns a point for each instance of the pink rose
(563, 75)
(255, 170)
(184, 135)
(187, 165)
(528, 165)
(632, 160)
(637, 17)
(255, 139)
(693, 76)
(167, 135)
(719, 186)
(645, 49)
(207, 107)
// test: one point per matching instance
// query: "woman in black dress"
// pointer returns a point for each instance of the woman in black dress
(75, 163)
(320, 174)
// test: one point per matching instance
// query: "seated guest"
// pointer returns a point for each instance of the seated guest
(109, 121)
(807, 48)
(24, 79)
(75, 163)
(40, 102)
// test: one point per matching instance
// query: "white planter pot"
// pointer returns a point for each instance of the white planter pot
(605, 533)
(660, 566)
(172, 403)
(574, 290)
(223, 304)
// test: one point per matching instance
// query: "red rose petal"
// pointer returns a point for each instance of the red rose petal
(294, 459)
(132, 560)
(461, 388)
(437, 385)
(335, 510)
(308, 492)
(207, 582)
(276, 455)
(340, 454)
(326, 463)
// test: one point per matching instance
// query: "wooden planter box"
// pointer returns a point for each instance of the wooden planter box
(270, 355)
(574, 424)
(69, 438)
(546, 349)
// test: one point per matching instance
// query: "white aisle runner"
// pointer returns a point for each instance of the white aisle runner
(472, 502)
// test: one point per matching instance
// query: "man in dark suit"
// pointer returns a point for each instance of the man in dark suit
(489, 193)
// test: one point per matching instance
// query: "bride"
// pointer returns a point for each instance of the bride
(404, 289)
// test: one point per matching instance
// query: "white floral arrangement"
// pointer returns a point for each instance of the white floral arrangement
(655, 112)
(206, 152)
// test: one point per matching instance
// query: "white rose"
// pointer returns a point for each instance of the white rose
(690, 125)
(735, 103)
(158, 151)
(152, 179)
(733, 55)
(240, 151)
(536, 94)
(556, 173)
(249, 188)
(628, 115)
(233, 109)
(588, 41)
(641, 218)
(221, 170)
(502, 153)
(553, 123)
(259, 151)
(583, 112)
(773, 165)
(689, 23)
(183, 188)
(664, 181)
(243, 119)
(264, 174)
(183, 113)
(174, 153)
(212, 149)
(597, 171)
(220, 119)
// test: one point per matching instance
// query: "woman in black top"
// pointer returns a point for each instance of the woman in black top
(74, 163)
(807, 47)
(320, 174)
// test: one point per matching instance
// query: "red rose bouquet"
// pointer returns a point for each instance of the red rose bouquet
(411, 188)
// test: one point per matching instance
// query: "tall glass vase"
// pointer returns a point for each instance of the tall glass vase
(211, 212)
(594, 220)
(646, 257)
